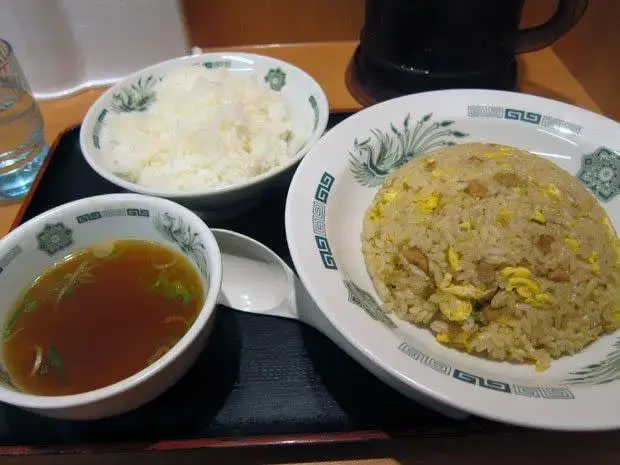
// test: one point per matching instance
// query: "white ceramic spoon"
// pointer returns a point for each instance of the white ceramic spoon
(256, 280)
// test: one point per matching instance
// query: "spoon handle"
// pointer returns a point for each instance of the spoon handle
(297, 304)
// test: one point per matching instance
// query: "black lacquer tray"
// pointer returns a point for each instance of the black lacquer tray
(260, 380)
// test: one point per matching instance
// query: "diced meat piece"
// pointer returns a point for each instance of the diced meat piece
(430, 165)
(476, 189)
(544, 243)
(507, 179)
(559, 276)
(490, 313)
(486, 273)
(414, 256)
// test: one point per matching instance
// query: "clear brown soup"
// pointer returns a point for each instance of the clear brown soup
(100, 315)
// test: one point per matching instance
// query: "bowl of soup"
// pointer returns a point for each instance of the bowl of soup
(105, 303)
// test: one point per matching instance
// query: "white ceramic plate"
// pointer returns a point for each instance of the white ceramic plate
(325, 207)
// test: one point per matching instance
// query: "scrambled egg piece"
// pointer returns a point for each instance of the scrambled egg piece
(375, 214)
(572, 243)
(453, 258)
(450, 170)
(504, 166)
(436, 173)
(538, 217)
(494, 155)
(465, 225)
(552, 191)
(504, 215)
(388, 197)
(524, 292)
(429, 203)
(541, 365)
(519, 280)
(466, 291)
(455, 309)
(455, 299)
(615, 313)
(540, 300)
(611, 235)
(519, 283)
(517, 272)
(462, 339)
(593, 260)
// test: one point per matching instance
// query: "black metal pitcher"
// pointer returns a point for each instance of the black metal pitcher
(412, 46)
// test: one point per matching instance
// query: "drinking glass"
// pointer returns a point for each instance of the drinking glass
(22, 147)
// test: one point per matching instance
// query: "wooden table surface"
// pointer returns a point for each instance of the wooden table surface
(541, 73)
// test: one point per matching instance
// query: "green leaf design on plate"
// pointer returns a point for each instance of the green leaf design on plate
(176, 231)
(375, 157)
(135, 97)
(276, 79)
(367, 302)
(602, 372)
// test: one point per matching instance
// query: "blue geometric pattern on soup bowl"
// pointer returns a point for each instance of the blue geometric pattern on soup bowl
(342, 174)
(44, 240)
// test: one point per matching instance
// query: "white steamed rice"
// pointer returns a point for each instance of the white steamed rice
(206, 128)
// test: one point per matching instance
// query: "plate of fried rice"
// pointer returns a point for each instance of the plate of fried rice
(464, 245)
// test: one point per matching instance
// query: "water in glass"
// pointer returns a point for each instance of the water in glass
(22, 146)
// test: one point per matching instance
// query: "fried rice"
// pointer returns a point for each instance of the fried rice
(497, 251)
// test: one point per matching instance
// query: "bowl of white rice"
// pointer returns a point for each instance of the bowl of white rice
(209, 130)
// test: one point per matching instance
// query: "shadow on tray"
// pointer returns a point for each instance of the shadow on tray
(368, 402)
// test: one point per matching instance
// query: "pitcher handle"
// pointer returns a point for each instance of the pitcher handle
(565, 17)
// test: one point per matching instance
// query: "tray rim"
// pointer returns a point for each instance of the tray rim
(35, 184)
(222, 442)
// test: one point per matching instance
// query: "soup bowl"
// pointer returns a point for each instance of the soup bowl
(32, 248)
